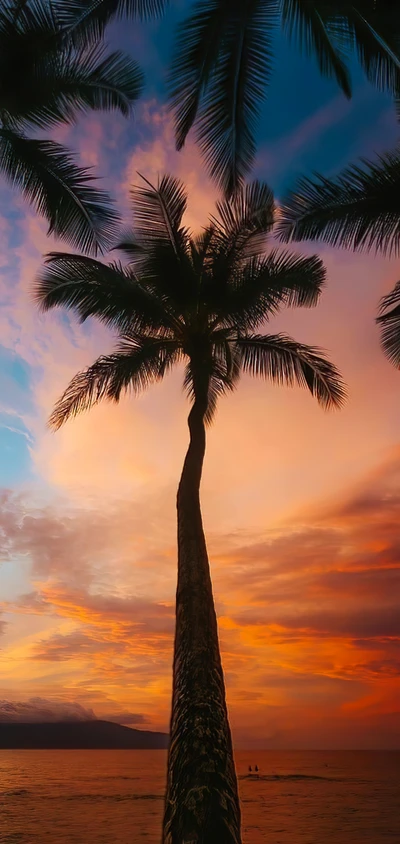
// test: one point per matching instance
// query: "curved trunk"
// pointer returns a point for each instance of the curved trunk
(202, 804)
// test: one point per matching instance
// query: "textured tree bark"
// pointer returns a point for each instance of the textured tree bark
(202, 804)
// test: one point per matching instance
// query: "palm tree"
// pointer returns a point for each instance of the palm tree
(358, 209)
(200, 301)
(45, 81)
(223, 61)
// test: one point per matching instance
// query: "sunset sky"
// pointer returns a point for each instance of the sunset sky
(301, 507)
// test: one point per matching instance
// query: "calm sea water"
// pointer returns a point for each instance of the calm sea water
(115, 797)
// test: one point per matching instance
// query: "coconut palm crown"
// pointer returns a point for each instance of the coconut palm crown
(197, 299)
(47, 80)
(202, 301)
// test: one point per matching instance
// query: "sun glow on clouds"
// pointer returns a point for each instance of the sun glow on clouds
(301, 508)
(330, 655)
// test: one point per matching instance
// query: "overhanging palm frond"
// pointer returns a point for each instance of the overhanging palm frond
(86, 80)
(199, 40)
(283, 361)
(359, 209)
(43, 81)
(85, 20)
(28, 38)
(230, 107)
(308, 22)
(108, 81)
(13, 9)
(218, 77)
(49, 178)
(139, 362)
(46, 79)
(108, 291)
(389, 320)
(26, 13)
(376, 31)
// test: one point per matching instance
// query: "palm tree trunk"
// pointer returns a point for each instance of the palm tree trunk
(202, 803)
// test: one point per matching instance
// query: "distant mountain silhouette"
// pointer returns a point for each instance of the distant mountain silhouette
(78, 735)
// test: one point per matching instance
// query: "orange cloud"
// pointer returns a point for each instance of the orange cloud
(308, 615)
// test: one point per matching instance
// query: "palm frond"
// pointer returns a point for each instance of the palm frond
(158, 211)
(264, 286)
(245, 220)
(298, 279)
(28, 15)
(86, 20)
(87, 82)
(376, 32)
(201, 244)
(110, 292)
(59, 190)
(109, 81)
(14, 9)
(307, 21)
(283, 361)
(198, 45)
(221, 65)
(219, 385)
(359, 209)
(43, 81)
(230, 107)
(238, 233)
(27, 41)
(159, 246)
(130, 247)
(138, 363)
(389, 320)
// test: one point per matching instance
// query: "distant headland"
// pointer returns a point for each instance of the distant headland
(78, 735)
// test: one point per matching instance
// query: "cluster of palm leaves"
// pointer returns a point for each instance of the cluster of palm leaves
(224, 58)
(53, 66)
(198, 299)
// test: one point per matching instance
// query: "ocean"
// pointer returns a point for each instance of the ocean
(116, 797)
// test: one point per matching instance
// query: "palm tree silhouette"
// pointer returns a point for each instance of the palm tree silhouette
(223, 60)
(200, 301)
(46, 80)
(359, 209)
